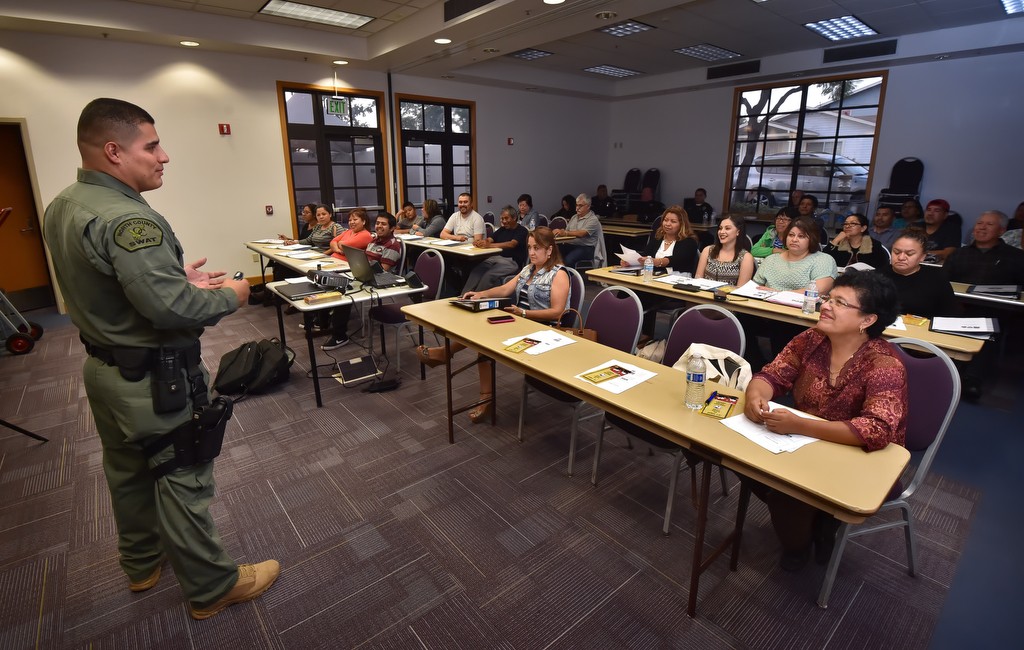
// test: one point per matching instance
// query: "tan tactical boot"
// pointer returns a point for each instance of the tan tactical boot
(253, 580)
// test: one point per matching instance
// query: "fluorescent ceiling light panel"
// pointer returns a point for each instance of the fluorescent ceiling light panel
(707, 52)
(529, 54)
(611, 71)
(840, 29)
(1013, 6)
(312, 14)
(626, 28)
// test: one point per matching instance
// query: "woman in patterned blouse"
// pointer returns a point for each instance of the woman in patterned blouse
(843, 372)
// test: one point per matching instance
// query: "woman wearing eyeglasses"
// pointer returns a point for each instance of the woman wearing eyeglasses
(773, 242)
(854, 245)
(843, 372)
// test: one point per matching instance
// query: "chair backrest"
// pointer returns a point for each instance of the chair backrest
(906, 176)
(399, 268)
(488, 229)
(632, 180)
(933, 391)
(652, 179)
(654, 229)
(707, 324)
(489, 218)
(558, 222)
(617, 314)
(430, 269)
(577, 289)
(542, 220)
(888, 254)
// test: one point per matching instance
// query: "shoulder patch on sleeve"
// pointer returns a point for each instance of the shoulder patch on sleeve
(138, 233)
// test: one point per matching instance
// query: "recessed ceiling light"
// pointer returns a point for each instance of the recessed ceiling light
(707, 52)
(529, 54)
(1013, 6)
(442, 41)
(606, 15)
(611, 71)
(339, 62)
(941, 57)
(311, 14)
(625, 28)
(189, 43)
(841, 28)
(553, 2)
(491, 50)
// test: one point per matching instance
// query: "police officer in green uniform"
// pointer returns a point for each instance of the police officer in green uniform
(141, 311)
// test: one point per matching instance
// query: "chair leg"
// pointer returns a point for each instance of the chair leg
(597, 450)
(522, 408)
(398, 356)
(721, 477)
(666, 526)
(693, 484)
(908, 531)
(833, 564)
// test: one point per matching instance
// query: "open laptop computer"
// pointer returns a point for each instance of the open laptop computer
(361, 269)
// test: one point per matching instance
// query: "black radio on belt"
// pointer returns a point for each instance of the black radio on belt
(170, 390)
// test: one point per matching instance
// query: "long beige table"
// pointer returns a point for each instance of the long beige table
(278, 256)
(957, 347)
(845, 481)
(465, 249)
(960, 289)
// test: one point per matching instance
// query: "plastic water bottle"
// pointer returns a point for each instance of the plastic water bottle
(648, 269)
(696, 372)
(810, 297)
(707, 217)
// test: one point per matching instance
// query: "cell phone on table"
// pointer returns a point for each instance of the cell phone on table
(501, 318)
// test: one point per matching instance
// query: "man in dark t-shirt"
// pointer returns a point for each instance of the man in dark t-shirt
(943, 236)
(511, 239)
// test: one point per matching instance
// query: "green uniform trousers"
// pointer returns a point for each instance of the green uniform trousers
(162, 516)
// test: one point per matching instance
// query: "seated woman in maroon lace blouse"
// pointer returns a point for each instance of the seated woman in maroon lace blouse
(841, 371)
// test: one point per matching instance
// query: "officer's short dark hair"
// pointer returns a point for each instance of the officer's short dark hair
(105, 119)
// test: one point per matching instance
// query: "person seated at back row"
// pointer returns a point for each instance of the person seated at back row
(923, 290)
(772, 241)
(942, 233)
(853, 244)
(384, 249)
(431, 221)
(585, 227)
(510, 237)
(697, 208)
(843, 372)
(987, 259)
(567, 211)
(602, 204)
(528, 217)
(322, 232)
(406, 217)
(729, 259)
(540, 293)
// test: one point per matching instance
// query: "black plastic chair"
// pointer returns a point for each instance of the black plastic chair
(629, 192)
(904, 184)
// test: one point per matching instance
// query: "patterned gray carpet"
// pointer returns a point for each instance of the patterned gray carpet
(389, 537)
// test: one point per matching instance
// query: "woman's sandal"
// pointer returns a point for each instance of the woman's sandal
(482, 411)
(423, 356)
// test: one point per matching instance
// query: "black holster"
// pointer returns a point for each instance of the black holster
(195, 442)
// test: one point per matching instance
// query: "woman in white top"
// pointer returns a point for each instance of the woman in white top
(801, 262)
(730, 259)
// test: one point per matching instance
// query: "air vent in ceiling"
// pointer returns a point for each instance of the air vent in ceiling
(862, 51)
(734, 69)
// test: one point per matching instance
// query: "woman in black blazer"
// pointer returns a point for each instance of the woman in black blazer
(674, 245)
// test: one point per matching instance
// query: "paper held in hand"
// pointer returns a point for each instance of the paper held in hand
(629, 256)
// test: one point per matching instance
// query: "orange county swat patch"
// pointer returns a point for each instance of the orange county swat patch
(136, 234)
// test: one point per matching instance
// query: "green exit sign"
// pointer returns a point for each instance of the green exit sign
(337, 106)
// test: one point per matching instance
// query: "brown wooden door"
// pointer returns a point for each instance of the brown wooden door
(24, 276)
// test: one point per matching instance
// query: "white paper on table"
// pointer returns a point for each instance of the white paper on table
(761, 436)
(629, 256)
(703, 283)
(859, 266)
(446, 242)
(295, 247)
(305, 255)
(787, 298)
(635, 377)
(898, 324)
(268, 241)
(410, 237)
(325, 264)
(750, 290)
(549, 340)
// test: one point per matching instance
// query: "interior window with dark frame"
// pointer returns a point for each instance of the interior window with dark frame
(817, 137)
(335, 149)
(436, 149)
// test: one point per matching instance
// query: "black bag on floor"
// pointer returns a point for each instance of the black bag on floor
(253, 367)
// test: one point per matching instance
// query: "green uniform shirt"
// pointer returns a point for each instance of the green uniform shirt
(121, 270)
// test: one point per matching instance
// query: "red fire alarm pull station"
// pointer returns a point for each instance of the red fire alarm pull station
(225, 129)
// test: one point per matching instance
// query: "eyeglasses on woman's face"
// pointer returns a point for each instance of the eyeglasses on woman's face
(839, 302)
(852, 224)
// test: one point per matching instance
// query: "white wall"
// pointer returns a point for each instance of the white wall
(960, 116)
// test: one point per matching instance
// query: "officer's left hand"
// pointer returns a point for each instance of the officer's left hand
(203, 279)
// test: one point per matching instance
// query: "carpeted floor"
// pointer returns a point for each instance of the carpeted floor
(389, 537)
